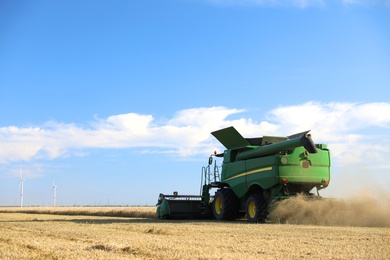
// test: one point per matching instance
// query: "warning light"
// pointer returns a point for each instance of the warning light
(284, 180)
(215, 152)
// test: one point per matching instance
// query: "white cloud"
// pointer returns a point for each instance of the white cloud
(350, 129)
(346, 127)
(53, 140)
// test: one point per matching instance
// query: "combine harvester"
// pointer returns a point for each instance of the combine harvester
(255, 172)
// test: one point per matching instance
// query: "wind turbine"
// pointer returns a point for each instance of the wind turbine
(54, 188)
(21, 186)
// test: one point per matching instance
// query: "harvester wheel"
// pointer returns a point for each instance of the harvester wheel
(225, 205)
(256, 208)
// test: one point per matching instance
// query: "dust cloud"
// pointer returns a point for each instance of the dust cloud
(364, 210)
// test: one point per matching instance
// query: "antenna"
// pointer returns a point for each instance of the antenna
(21, 187)
(54, 188)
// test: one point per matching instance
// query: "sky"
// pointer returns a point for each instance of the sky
(114, 101)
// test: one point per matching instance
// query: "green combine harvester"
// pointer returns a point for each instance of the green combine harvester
(255, 172)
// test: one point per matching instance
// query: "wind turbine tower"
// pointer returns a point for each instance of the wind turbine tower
(21, 186)
(54, 194)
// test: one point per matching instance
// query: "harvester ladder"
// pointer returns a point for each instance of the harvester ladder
(209, 179)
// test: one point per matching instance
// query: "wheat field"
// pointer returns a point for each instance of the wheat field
(96, 233)
(131, 212)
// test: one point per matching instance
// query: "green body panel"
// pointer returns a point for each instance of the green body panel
(230, 171)
(312, 175)
(241, 175)
(262, 171)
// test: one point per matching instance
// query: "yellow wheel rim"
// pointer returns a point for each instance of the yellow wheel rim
(252, 209)
(218, 205)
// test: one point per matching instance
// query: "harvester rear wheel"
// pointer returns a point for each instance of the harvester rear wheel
(256, 208)
(225, 205)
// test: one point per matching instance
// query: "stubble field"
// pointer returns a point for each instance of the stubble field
(98, 233)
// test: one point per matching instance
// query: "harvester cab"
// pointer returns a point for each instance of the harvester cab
(254, 172)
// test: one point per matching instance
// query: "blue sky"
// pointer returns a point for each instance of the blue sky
(114, 101)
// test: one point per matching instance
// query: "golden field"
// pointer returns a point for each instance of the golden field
(98, 233)
(131, 212)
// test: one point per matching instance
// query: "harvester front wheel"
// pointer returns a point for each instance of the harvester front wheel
(256, 208)
(225, 205)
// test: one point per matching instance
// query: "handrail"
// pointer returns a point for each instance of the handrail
(208, 177)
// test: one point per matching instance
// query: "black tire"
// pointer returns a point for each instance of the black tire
(225, 205)
(256, 208)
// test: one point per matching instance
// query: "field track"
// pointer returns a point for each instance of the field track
(98, 234)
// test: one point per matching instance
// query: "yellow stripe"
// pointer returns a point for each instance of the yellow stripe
(249, 173)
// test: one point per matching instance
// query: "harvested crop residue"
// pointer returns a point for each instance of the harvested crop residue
(362, 211)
